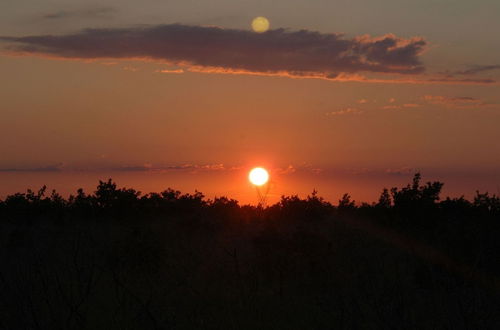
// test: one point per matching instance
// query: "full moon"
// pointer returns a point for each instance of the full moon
(260, 24)
(258, 176)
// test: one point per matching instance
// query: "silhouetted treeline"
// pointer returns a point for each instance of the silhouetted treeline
(118, 259)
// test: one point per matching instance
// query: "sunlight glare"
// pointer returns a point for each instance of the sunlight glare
(258, 176)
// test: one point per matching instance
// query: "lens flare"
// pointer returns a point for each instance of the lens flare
(258, 176)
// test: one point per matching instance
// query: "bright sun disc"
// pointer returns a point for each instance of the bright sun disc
(258, 176)
(260, 24)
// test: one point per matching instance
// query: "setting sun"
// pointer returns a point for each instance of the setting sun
(258, 176)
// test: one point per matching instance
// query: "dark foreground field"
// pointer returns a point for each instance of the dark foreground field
(118, 260)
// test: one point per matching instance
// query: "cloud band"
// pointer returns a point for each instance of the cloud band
(297, 53)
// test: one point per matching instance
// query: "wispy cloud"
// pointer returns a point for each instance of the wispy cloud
(459, 81)
(215, 167)
(456, 101)
(295, 53)
(346, 111)
(472, 70)
(400, 106)
(299, 168)
(411, 105)
(183, 167)
(49, 168)
(391, 107)
(170, 71)
(351, 77)
(290, 169)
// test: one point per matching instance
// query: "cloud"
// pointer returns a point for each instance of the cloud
(475, 69)
(178, 71)
(290, 169)
(346, 111)
(347, 77)
(215, 167)
(456, 102)
(466, 81)
(184, 167)
(411, 105)
(294, 53)
(397, 107)
(49, 168)
(146, 167)
(101, 12)
(300, 168)
(391, 107)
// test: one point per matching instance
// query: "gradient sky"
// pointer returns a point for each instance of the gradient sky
(337, 91)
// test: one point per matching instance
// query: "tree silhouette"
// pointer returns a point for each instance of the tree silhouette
(415, 196)
(385, 200)
(119, 259)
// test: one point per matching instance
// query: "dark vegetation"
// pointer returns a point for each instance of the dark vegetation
(117, 259)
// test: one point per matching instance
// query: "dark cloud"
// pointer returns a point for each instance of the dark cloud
(467, 81)
(50, 168)
(292, 53)
(471, 71)
(478, 69)
(102, 12)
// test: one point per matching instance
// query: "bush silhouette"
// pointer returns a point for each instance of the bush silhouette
(120, 259)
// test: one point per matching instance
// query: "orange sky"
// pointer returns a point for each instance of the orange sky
(125, 118)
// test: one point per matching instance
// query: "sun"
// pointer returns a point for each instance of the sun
(260, 24)
(258, 176)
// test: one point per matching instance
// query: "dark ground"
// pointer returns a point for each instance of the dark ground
(118, 260)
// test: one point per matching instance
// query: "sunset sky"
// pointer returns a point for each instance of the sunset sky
(338, 96)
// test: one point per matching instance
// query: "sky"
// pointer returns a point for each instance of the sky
(338, 96)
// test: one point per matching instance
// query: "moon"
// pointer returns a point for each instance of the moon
(260, 24)
(258, 176)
